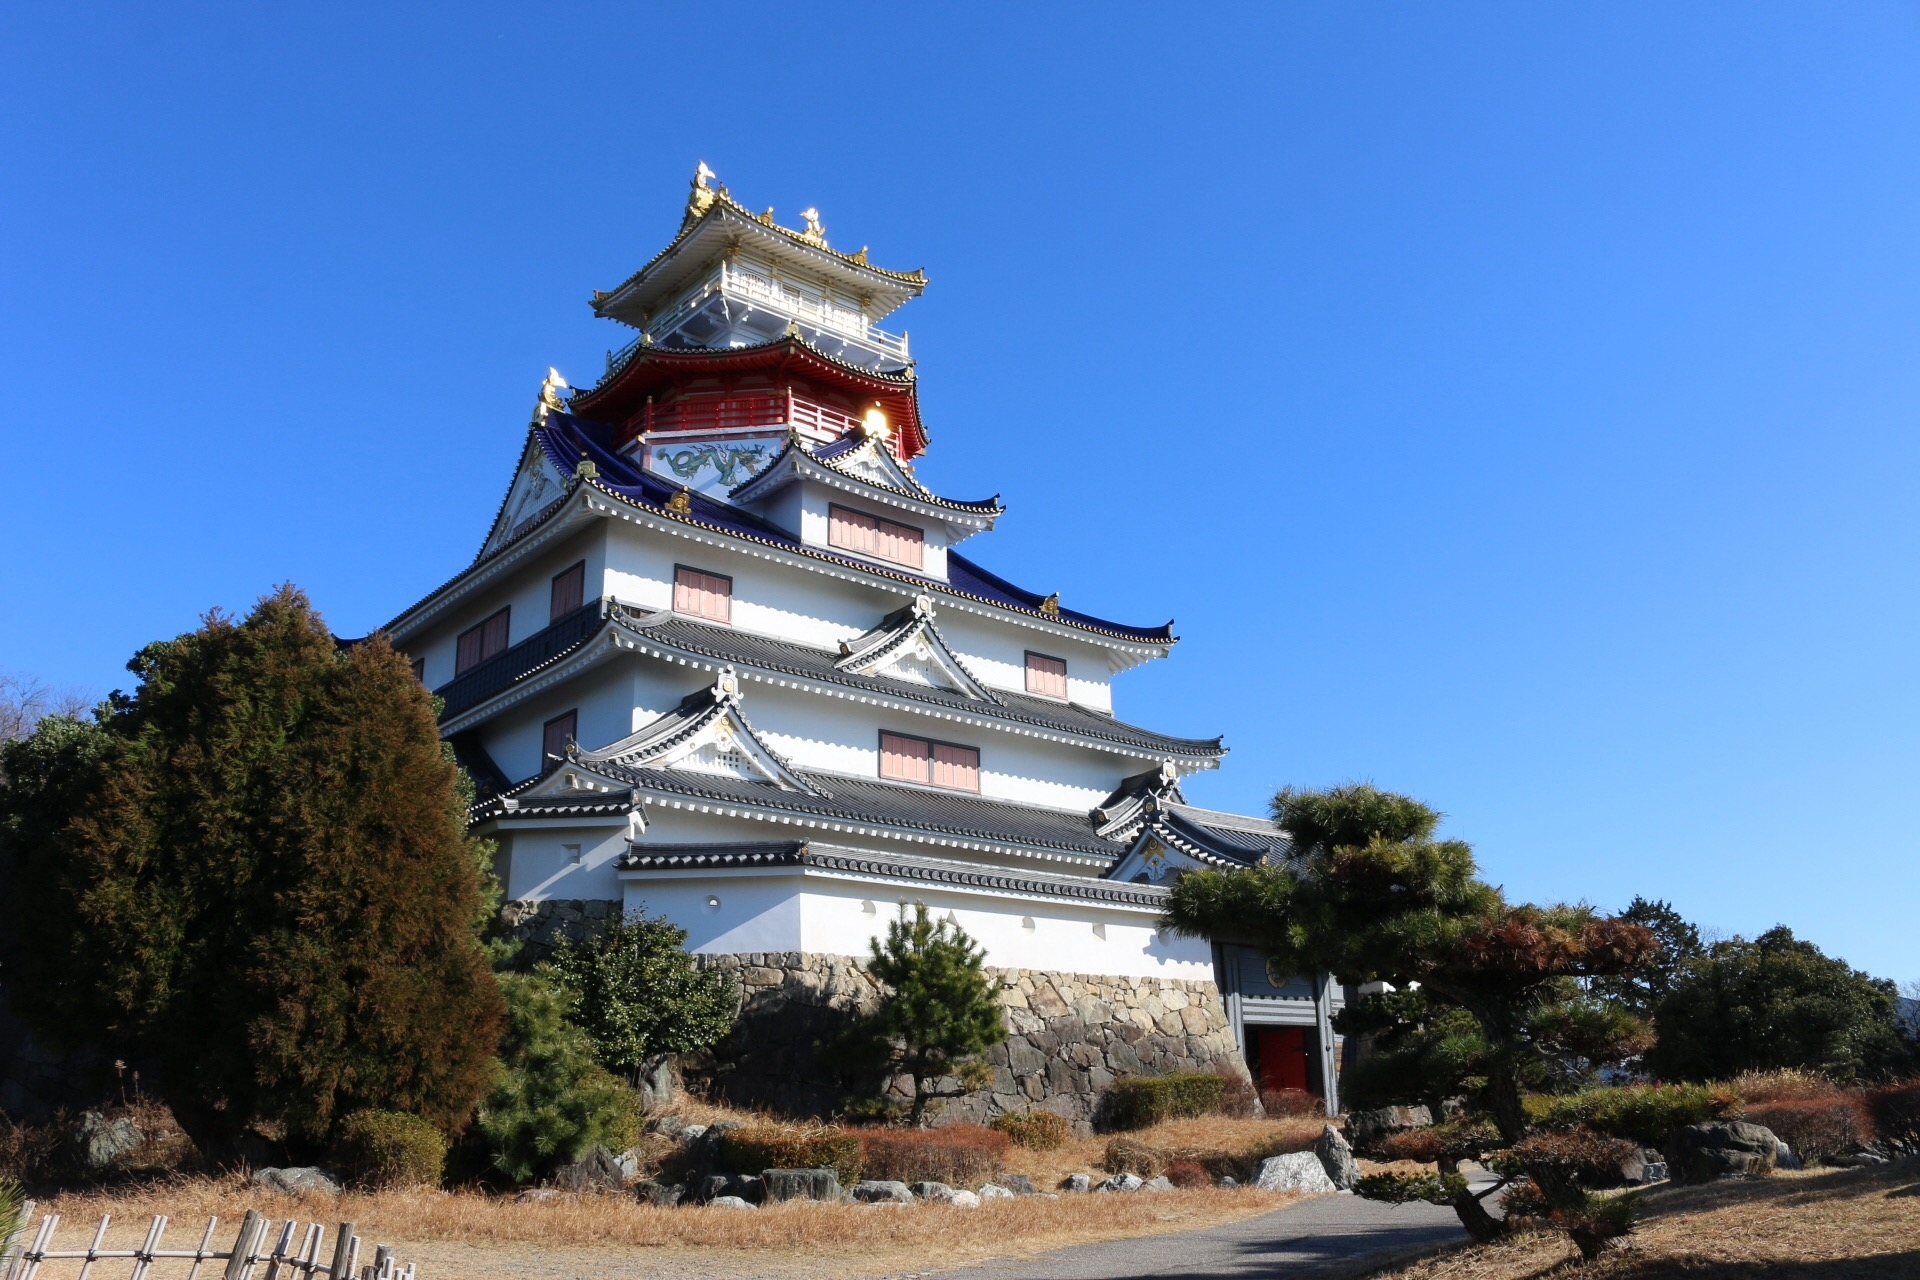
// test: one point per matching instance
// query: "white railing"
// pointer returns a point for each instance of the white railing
(297, 1253)
(784, 297)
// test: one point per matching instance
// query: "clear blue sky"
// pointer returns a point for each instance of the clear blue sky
(1515, 405)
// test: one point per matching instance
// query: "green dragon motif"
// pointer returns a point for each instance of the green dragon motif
(728, 460)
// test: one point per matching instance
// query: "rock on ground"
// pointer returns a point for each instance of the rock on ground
(598, 1170)
(1364, 1128)
(294, 1182)
(1300, 1171)
(1122, 1182)
(882, 1192)
(1018, 1183)
(1703, 1152)
(1336, 1157)
(729, 1202)
(800, 1184)
(102, 1143)
(663, 1195)
(1157, 1184)
(992, 1191)
(964, 1200)
(1077, 1182)
(931, 1191)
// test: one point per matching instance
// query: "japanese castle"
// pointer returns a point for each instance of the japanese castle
(721, 657)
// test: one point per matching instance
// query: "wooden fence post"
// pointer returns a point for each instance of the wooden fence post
(342, 1268)
(15, 1243)
(252, 1227)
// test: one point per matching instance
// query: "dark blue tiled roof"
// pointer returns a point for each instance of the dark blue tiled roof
(566, 440)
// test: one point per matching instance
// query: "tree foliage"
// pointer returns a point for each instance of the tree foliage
(1640, 991)
(1777, 1001)
(551, 1102)
(937, 1013)
(639, 995)
(1490, 999)
(252, 876)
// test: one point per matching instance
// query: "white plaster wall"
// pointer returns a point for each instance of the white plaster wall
(529, 592)
(787, 911)
(997, 653)
(815, 523)
(537, 864)
(603, 696)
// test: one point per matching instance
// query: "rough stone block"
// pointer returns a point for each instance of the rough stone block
(1299, 1171)
(1703, 1152)
(1076, 1182)
(729, 1202)
(1018, 1183)
(800, 1184)
(875, 1192)
(993, 1191)
(295, 1181)
(1122, 1182)
(1336, 1157)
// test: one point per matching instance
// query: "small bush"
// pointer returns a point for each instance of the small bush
(1188, 1173)
(1238, 1097)
(1434, 1143)
(1035, 1130)
(767, 1147)
(390, 1149)
(1895, 1109)
(1646, 1113)
(1404, 1188)
(1141, 1101)
(958, 1154)
(1124, 1155)
(1130, 1155)
(1786, 1085)
(1282, 1103)
(1817, 1131)
(1593, 1159)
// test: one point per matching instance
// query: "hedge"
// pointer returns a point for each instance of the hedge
(1036, 1130)
(390, 1149)
(761, 1147)
(1140, 1101)
(1646, 1113)
(958, 1154)
(1896, 1115)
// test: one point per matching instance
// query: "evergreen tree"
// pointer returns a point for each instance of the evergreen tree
(1774, 1002)
(1489, 998)
(937, 1014)
(550, 1102)
(1641, 991)
(253, 878)
(640, 996)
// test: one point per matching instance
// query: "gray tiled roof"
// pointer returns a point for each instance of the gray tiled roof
(892, 866)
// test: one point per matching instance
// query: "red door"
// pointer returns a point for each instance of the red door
(1282, 1053)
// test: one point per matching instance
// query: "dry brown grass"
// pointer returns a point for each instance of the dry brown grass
(475, 1235)
(1211, 1133)
(1826, 1225)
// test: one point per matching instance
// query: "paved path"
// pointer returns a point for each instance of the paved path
(1293, 1241)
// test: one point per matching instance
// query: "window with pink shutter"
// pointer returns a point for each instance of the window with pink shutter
(477, 644)
(940, 764)
(557, 733)
(872, 536)
(419, 666)
(569, 592)
(703, 595)
(1046, 676)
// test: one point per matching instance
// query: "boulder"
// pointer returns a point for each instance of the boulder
(882, 1192)
(800, 1184)
(1122, 1182)
(1783, 1156)
(296, 1181)
(729, 1202)
(1364, 1128)
(1703, 1152)
(1018, 1183)
(964, 1200)
(661, 1195)
(1076, 1182)
(1336, 1157)
(993, 1191)
(597, 1170)
(1299, 1172)
(541, 1195)
(1162, 1183)
(931, 1191)
(668, 1126)
(1229, 1182)
(99, 1143)
(714, 1184)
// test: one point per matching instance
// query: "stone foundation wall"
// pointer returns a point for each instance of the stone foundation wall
(1070, 1036)
(537, 926)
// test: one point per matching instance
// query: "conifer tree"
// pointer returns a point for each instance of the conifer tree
(1489, 1001)
(937, 1014)
(253, 878)
(639, 996)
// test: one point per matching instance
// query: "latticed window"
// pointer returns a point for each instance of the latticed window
(703, 595)
(477, 644)
(872, 536)
(1047, 676)
(569, 592)
(939, 764)
(558, 732)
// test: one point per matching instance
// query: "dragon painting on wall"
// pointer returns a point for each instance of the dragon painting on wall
(733, 463)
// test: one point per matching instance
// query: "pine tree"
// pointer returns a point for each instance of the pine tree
(253, 878)
(937, 1014)
(640, 996)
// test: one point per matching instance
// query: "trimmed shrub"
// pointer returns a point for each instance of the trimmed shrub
(1130, 1155)
(1238, 1097)
(1896, 1115)
(1188, 1173)
(1284, 1103)
(1035, 1130)
(958, 1154)
(766, 1147)
(1436, 1143)
(1593, 1159)
(1123, 1155)
(1816, 1129)
(1140, 1101)
(1646, 1113)
(390, 1149)
(1785, 1085)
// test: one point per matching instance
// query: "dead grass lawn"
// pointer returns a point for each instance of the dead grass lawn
(1823, 1225)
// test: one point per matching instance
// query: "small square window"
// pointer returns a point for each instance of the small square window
(871, 536)
(702, 595)
(941, 764)
(569, 592)
(419, 666)
(557, 733)
(1047, 676)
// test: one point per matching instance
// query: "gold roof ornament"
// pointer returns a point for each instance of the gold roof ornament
(700, 199)
(874, 425)
(815, 233)
(551, 388)
(1051, 605)
(861, 258)
(767, 217)
(681, 503)
(585, 469)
